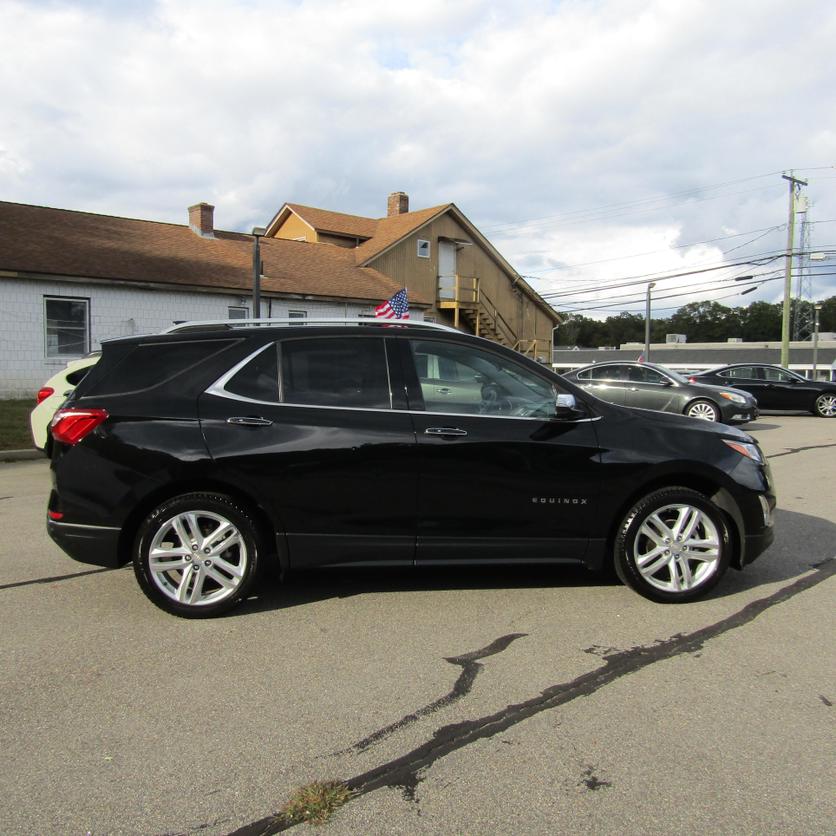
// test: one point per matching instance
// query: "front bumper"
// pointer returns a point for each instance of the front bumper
(94, 544)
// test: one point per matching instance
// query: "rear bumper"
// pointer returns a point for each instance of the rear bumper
(87, 543)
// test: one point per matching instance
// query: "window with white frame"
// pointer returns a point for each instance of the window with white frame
(423, 248)
(237, 312)
(66, 326)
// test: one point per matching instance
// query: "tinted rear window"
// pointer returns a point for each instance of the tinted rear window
(151, 364)
(338, 371)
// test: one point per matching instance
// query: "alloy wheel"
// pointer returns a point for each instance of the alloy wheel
(197, 558)
(826, 405)
(704, 411)
(677, 548)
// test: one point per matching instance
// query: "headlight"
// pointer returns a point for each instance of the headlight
(734, 398)
(751, 451)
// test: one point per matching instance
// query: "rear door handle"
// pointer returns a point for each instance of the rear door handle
(249, 421)
(447, 432)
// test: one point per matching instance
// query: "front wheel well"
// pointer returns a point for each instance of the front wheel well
(267, 530)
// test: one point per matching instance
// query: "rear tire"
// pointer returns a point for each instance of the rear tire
(673, 546)
(197, 555)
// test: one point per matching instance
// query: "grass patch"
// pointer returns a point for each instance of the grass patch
(316, 802)
(14, 424)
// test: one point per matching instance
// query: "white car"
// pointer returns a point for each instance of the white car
(53, 393)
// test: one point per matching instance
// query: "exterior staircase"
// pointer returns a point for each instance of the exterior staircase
(473, 309)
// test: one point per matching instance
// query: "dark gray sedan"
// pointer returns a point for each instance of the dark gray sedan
(649, 386)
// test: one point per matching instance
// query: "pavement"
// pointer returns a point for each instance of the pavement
(493, 700)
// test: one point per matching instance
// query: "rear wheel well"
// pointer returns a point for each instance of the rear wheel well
(706, 487)
(266, 529)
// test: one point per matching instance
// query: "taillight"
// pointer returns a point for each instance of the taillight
(692, 379)
(44, 393)
(70, 425)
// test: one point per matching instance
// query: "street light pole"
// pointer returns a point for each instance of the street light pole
(647, 322)
(817, 309)
(258, 233)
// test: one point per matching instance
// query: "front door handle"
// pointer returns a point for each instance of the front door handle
(249, 421)
(446, 432)
(443, 390)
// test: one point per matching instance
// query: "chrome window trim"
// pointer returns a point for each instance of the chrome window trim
(222, 393)
(218, 388)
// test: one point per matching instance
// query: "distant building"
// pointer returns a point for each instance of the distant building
(700, 356)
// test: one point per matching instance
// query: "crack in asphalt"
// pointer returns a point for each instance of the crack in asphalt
(793, 450)
(53, 579)
(404, 772)
(461, 688)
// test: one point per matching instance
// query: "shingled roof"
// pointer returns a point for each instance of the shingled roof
(61, 242)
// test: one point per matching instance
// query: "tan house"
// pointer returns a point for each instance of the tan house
(441, 258)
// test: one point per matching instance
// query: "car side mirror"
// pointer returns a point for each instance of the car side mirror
(566, 407)
(667, 382)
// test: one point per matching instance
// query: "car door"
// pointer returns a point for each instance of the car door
(503, 480)
(746, 378)
(608, 382)
(307, 425)
(650, 389)
(785, 390)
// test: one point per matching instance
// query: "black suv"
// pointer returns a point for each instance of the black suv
(205, 454)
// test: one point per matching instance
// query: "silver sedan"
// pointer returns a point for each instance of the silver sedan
(649, 386)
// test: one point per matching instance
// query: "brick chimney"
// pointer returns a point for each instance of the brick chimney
(202, 220)
(398, 204)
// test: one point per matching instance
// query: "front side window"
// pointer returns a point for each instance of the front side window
(465, 380)
(641, 374)
(777, 375)
(336, 371)
(66, 326)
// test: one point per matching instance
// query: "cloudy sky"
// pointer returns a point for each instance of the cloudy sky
(595, 142)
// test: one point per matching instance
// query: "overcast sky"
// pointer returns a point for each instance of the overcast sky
(588, 140)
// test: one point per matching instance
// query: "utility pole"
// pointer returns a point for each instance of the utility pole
(650, 286)
(795, 184)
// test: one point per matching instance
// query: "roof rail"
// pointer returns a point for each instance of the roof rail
(254, 323)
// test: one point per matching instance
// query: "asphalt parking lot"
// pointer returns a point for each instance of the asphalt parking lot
(489, 701)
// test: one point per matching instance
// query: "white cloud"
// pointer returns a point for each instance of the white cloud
(513, 111)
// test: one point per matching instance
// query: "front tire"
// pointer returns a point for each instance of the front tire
(703, 410)
(197, 555)
(826, 405)
(673, 546)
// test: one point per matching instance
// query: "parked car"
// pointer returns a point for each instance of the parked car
(52, 394)
(204, 455)
(650, 386)
(775, 387)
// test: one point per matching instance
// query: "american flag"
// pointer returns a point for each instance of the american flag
(395, 308)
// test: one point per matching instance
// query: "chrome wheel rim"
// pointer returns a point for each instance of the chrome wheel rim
(703, 411)
(826, 405)
(677, 548)
(197, 558)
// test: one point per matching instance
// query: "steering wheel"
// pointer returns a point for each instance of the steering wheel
(493, 401)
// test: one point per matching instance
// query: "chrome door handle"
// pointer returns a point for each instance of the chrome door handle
(443, 390)
(634, 388)
(249, 421)
(448, 432)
